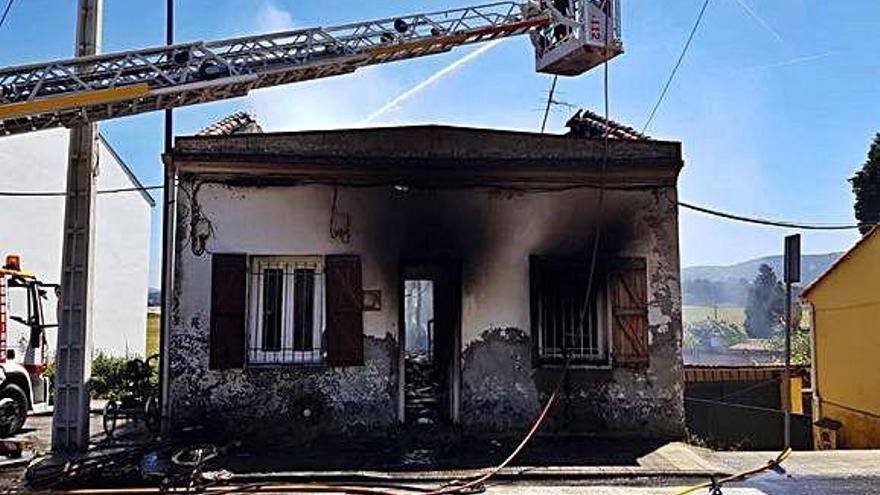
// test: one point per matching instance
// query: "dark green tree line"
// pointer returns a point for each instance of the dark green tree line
(866, 187)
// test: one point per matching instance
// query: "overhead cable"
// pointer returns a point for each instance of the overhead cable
(702, 209)
(6, 12)
(677, 65)
(767, 222)
(50, 194)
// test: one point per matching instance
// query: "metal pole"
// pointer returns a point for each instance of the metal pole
(168, 205)
(792, 274)
(787, 373)
(70, 421)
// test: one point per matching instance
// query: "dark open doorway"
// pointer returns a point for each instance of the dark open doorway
(431, 320)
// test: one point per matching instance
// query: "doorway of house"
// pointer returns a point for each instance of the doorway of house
(431, 318)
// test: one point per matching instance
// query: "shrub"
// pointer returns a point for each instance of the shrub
(110, 377)
(800, 345)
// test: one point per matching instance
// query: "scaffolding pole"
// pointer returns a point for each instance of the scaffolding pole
(70, 421)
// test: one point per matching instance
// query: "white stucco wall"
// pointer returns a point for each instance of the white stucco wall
(503, 232)
(492, 234)
(32, 227)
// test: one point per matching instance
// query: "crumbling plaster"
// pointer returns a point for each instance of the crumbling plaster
(492, 234)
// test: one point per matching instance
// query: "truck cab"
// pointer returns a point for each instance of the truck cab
(23, 383)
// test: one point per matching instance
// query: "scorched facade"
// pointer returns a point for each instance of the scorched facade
(357, 281)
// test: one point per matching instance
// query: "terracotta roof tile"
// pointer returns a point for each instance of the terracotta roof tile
(590, 125)
(237, 123)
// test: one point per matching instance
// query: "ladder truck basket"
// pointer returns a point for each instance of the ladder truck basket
(581, 35)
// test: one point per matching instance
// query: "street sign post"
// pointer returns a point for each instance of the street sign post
(792, 275)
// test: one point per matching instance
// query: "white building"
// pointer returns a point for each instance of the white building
(32, 227)
(296, 251)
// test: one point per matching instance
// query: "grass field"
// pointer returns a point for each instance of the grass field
(152, 333)
(693, 314)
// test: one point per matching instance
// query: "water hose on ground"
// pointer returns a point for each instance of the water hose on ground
(470, 485)
(455, 487)
(739, 476)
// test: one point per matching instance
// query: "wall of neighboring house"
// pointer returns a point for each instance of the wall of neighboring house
(846, 312)
(493, 234)
(32, 227)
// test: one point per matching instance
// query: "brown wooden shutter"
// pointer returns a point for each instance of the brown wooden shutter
(629, 310)
(228, 310)
(345, 322)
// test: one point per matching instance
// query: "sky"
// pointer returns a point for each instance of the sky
(775, 103)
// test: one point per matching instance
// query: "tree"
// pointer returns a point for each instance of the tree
(765, 306)
(800, 345)
(866, 187)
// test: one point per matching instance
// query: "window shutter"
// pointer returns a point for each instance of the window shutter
(629, 310)
(344, 299)
(228, 308)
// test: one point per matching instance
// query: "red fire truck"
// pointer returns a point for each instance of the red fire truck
(23, 383)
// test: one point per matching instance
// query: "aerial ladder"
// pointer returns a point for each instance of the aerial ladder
(569, 36)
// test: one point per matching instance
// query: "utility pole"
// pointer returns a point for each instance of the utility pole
(168, 210)
(792, 275)
(70, 421)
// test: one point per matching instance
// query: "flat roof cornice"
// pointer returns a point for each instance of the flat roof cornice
(431, 154)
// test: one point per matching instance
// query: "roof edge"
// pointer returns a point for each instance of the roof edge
(410, 127)
(875, 230)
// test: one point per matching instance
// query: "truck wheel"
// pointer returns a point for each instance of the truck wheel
(18, 415)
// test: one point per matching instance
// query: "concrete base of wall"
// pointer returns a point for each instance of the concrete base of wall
(859, 430)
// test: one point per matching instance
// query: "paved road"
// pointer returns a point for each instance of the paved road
(766, 485)
(811, 485)
(807, 473)
(838, 472)
(850, 488)
(37, 430)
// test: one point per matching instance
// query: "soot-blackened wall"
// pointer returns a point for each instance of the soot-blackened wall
(492, 234)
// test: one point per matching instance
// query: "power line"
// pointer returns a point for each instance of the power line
(600, 199)
(6, 12)
(765, 221)
(50, 194)
(702, 209)
(677, 65)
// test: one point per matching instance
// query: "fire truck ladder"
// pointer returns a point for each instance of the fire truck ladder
(81, 90)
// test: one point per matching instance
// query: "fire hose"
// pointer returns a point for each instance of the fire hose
(738, 476)
(455, 487)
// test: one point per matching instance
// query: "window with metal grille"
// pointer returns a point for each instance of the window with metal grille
(286, 309)
(566, 324)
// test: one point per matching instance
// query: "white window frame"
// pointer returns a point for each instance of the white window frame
(286, 355)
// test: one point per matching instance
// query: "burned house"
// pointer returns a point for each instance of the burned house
(353, 281)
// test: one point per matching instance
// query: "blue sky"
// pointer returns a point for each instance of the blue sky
(775, 104)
